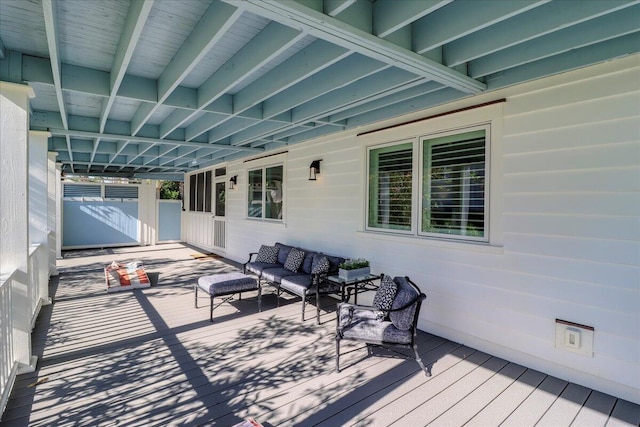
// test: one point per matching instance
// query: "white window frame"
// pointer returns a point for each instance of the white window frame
(263, 201)
(487, 183)
(368, 227)
(457, 122)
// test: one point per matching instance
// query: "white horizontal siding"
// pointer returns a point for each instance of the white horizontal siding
(567, 213)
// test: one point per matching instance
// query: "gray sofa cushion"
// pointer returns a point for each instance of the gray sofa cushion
(283, 253)
(403, 319)
(298, 284)
(334, 262)
(308, 262)
(276, 274)
(259, 267)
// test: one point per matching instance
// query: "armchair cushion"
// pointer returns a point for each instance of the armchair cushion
(363, 325)
(403, 319)
(294, 260)
(267, 254)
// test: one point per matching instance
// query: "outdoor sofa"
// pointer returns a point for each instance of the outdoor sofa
(297, 271)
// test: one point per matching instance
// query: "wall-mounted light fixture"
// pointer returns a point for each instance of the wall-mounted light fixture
(233, 181)
(314, 169)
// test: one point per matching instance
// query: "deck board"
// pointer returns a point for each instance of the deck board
(150, 358)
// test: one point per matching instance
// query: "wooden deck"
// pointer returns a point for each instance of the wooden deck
(149, 358)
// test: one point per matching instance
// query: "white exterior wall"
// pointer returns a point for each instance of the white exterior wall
(565, 224)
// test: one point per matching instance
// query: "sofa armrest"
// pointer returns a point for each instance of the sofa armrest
(244, 266)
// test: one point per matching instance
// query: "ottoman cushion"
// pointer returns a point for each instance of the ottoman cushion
(227, 283)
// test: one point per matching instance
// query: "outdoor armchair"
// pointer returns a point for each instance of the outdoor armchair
(391, 321)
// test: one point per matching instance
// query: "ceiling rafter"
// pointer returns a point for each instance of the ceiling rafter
(536, 23)
(335, 7)
(267, 45)
(136, 19)
(216, 21)
(327, 28)
(51, 27)
(389, 18)
(458, 20)
(608, 27)
(314, 58)
(117, 137)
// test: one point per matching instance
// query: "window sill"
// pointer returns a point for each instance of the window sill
(412, 239)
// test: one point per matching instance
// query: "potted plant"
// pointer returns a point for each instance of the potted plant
(352, 268)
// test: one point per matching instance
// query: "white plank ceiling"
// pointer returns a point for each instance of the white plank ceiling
(155, 88)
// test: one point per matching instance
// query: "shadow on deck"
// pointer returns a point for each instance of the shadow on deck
(148, 357)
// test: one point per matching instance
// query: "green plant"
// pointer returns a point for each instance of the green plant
(352, 264)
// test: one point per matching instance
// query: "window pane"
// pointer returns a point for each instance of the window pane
(273, 207)
(200, 193)
(192, 193)
(220, 198)
(390, 186)
(207, 191)
(454, 179)
(254, 209)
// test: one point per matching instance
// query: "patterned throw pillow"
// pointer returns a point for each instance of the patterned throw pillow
(267, 254)
(383, 299)
(320, 264)
(294, 260)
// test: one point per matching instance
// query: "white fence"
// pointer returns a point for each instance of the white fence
(22, 294)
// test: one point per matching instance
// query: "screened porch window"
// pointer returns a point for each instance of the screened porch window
(200, 192)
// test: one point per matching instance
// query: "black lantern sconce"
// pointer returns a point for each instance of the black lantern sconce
(233, 181)
(314, 169)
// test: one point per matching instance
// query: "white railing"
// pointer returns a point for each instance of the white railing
(38, 279)
(8, 364)
(21, 297)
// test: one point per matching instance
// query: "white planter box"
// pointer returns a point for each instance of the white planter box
(352, 274)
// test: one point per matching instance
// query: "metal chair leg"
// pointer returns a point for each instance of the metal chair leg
(419, 360)
(337, 354)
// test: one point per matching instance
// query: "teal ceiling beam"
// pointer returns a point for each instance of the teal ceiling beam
(587, 33)
(136, 18)
(135, 138)
(394, 110)
(216, 21)
(404, 94)
(340, 75)
(335, 7)
(604, 51)
(325, 27)
(362, 90)
(271, 42)
(389, 18)
(51, 28)
(315, 57)
(460, 19)
(529, 26)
